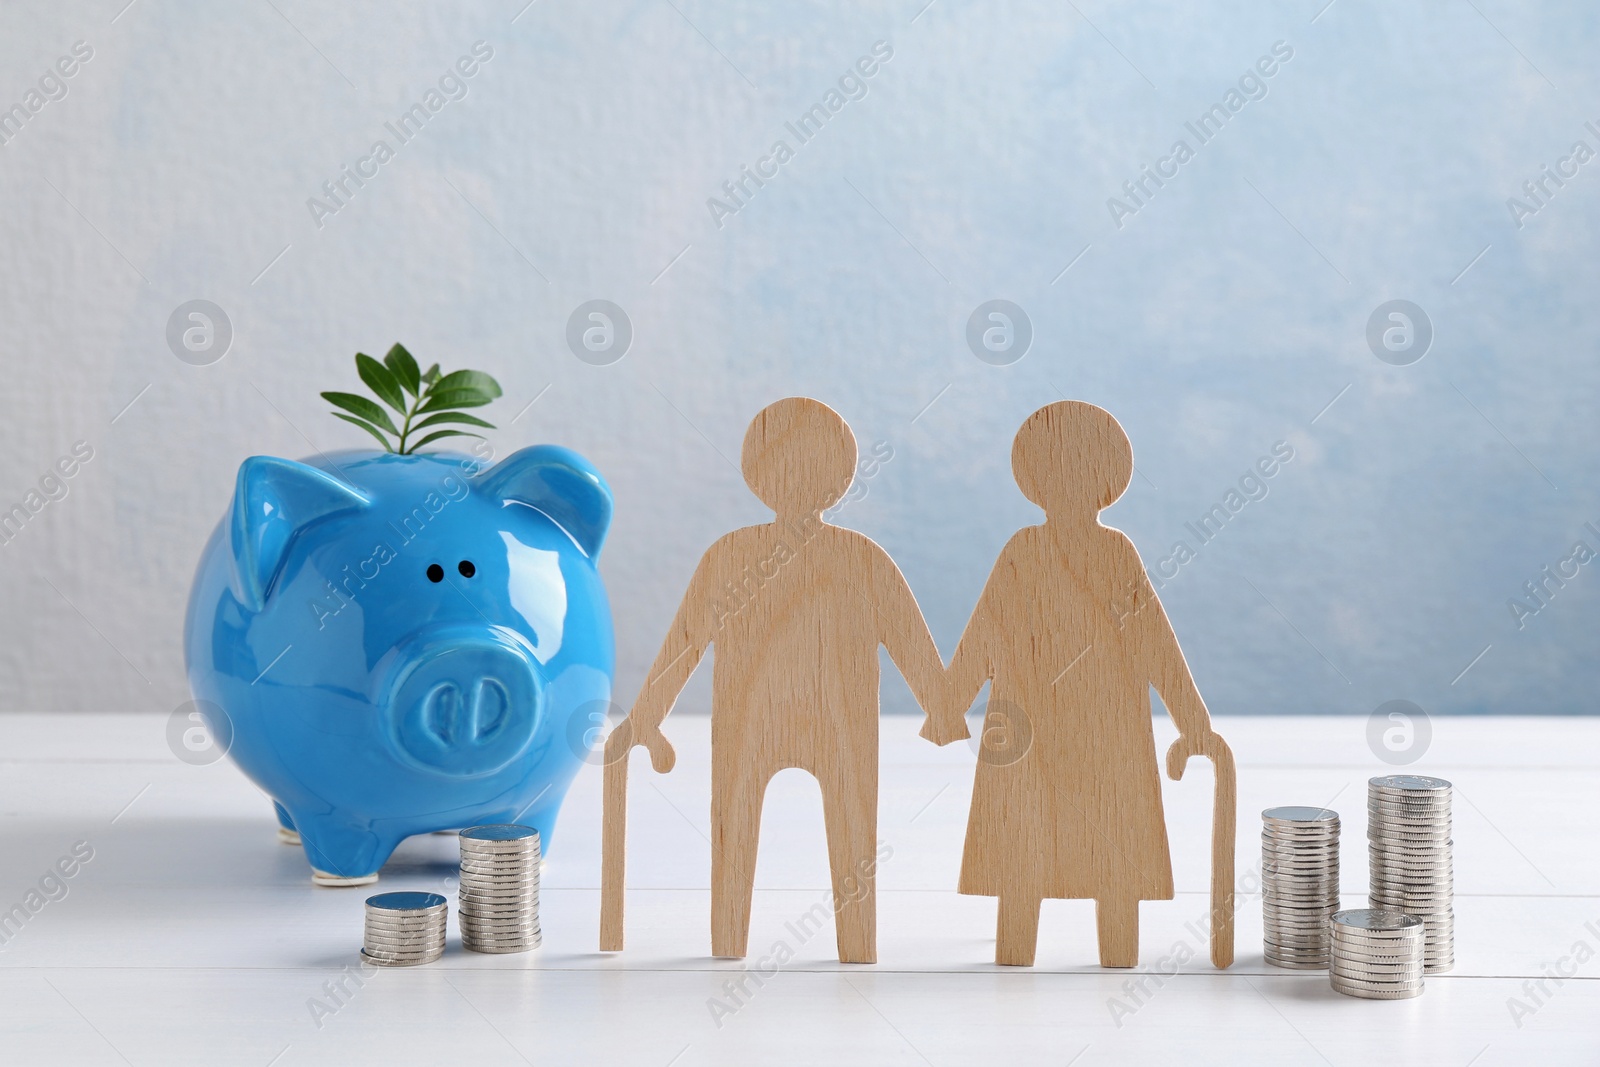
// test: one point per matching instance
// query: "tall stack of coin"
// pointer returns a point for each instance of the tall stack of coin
(404, 929)
(1299, 884)
(499, 899)
(1408, 838)
(1377, 954)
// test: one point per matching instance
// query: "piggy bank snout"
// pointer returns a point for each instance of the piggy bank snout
(462, 703)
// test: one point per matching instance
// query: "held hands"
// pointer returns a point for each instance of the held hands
(628, 733)
(946, 722)
(1209, 744)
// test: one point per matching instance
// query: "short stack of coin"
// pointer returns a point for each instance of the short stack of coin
(1377, 954)
(1299, 884)
(499, 898)
(1408, 838)
(404, 929)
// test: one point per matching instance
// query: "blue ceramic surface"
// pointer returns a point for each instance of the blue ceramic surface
(403, 644)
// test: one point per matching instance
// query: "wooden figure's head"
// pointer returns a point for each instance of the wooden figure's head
(799, 456)
(1072, 459)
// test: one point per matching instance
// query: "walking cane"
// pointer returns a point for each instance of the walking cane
(613, 844)
(1224, 821)
(614, 824)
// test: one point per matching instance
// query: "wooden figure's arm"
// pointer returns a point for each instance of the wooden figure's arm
(1169, 673)
(969, 667)
(904, 633)
(681, 651)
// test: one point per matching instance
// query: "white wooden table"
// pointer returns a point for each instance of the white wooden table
(192, 936)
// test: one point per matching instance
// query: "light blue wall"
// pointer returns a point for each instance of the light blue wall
(1224, 316)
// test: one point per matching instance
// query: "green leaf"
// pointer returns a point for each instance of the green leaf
(432, 374)
(442, 433)
(361, 406)
(469, 379)
(381, 381)
(451, 416)
(367, 426)
(454, 398)
(404, 368)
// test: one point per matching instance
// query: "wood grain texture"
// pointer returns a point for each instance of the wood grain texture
(797, 609)
(1071, 637)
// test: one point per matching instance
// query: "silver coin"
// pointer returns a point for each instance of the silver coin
(1374, 995)
(1299, 918)
(1389, 798)
(1375, 920)
(1363, 993)
(514, 938)
(1295, 937)
(1377, 970)
(1399, 867)
(501, 898)
(500, 931)
(397, 937)
(405, 901)
(405, 923)
(1298, 867)
(1383, 813)
(498, 849)
(478, 915)
(391, 947)
(1382, 984)
(1300, 953)
(494, 832)
(1374, 939)
(496, 857)
(1410, 867)
(1378, 964)
(498, 883)
(1379, 983)
(382, 922)
(510, 933)
(1293, 964)
(1288, 943)
(1424, 908)
(509, 877)
(378, 961)
(1302, 890)
(518, 878)
(1295, 813)
(1408, 784)
(1321, 902)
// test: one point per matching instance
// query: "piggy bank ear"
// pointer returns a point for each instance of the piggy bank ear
(558, 482)
(273, 500)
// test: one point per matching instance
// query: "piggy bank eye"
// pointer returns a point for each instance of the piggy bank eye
(435, 573)
(466, 568)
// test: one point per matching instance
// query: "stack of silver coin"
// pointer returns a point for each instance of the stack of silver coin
(499, 897)
(1377, 954)
(1299, 884)
(404, 929)
(1408, 838)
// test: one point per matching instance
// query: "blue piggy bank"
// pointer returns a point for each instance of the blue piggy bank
(397, 644)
